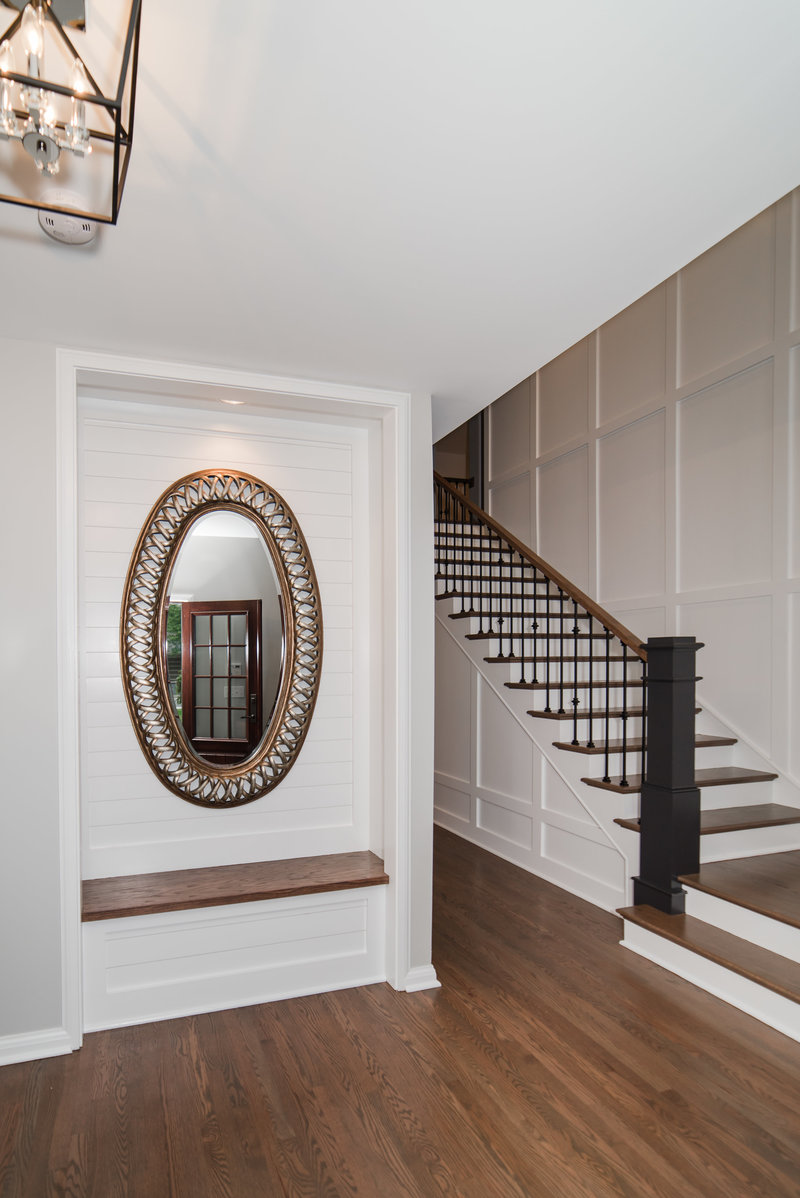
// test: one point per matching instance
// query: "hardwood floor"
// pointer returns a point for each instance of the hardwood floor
(551, 1064)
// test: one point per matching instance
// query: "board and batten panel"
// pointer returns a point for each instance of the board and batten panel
(725, 482)
(128, 455)
(727, 300)
(632, 357)
(562, 407)
(631, 510)
(562, 507)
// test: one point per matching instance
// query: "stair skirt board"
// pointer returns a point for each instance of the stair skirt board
(144, 968)
(773, 934)
(765, 1005)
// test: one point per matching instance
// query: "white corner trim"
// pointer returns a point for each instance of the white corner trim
(34, 1046)
(421, 977)
(68, 702)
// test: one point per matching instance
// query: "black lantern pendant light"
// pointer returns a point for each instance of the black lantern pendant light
(56, 119)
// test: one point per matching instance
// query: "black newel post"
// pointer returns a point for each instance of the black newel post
(670, 810)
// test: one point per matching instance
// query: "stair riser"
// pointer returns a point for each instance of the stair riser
(772, 934)
(751, 842)
(767, 1006)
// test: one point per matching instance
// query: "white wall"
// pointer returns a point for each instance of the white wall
(657, 464)
(30, 928)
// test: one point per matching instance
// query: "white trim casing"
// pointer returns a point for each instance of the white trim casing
(407, 782)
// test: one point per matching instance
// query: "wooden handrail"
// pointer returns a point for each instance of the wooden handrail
(589, 605)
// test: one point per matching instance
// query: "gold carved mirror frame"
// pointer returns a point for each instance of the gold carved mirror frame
(143, 661)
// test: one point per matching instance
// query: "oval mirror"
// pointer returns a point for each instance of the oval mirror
(221, 638)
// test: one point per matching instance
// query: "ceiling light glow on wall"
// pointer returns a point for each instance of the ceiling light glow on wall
(66, 108)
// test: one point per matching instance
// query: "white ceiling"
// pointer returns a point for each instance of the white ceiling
(436, 196)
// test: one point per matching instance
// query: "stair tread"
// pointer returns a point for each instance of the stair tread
(536, 636)
(736, 819)
(600, 660)
(723, 775)
(767, 884)
(749, 960)
(702, 740)
(569, 685)
(583, 714)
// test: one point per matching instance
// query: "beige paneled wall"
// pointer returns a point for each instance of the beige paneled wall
(656, 464)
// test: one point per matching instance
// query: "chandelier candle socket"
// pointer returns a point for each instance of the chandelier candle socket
(52, 105)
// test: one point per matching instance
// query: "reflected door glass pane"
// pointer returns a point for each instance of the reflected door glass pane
(202, 692)
(220, 724)
(239, 724)
(202, 661)
(238, 659)
(219, 660)
(202, 721)
(238, 628)
(202, 630)
(219, 630)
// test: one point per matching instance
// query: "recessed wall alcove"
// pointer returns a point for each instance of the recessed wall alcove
(346, 461)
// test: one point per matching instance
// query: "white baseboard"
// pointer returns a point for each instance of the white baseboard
(35, 1046)
(765, 1005)
(421, 977)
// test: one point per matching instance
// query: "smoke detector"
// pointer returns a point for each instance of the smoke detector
(64, 227)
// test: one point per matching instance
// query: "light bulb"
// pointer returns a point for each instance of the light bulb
(79, 81)
(7, 118)
(76, 131)
(32, 32)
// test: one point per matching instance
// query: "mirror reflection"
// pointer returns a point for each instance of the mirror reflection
(223, 639)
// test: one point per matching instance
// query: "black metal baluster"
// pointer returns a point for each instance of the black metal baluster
(547, 653)
(606, 775)
(561, 708)
(575, 700)
(590, 733)
(624, 779)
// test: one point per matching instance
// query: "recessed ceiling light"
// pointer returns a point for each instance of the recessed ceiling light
(232, 402)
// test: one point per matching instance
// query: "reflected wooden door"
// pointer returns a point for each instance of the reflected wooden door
(221, 678)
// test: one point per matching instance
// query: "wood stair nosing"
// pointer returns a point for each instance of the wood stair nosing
(730, 775)
(518, 596)
(736, 819)
(749, 960)
(569, 685)
(702, 740)
(613, 713)
(515, 659)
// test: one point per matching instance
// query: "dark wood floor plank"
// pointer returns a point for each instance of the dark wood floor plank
(552, 1064)
(186, 889)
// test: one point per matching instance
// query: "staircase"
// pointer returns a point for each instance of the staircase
(731, 920)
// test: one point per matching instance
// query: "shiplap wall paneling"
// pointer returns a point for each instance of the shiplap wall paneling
(131, 823)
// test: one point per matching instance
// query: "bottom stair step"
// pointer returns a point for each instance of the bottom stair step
(736, 819)
(766, 884)
(731, 952)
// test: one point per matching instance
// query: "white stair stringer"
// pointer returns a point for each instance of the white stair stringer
(600, 807)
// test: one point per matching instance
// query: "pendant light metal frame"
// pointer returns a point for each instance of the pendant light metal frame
(122, 137)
